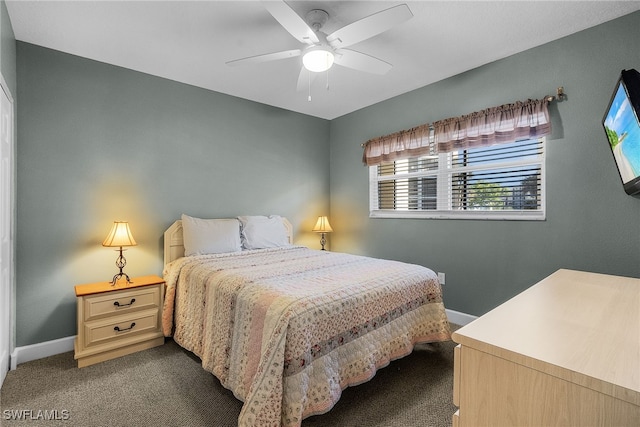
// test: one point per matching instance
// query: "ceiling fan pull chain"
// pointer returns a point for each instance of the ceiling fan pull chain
(309, 80)
(327, 79)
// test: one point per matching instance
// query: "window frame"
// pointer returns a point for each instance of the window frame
(443, 175)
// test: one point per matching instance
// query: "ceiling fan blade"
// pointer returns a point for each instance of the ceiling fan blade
(370, 26)
(266, 57)
(294, 24)
(305, 78)
(361, 62)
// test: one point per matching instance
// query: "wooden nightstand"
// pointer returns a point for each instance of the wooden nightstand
(117, 320)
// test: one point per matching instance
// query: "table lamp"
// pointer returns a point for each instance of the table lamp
(322, 227)
(119, 236)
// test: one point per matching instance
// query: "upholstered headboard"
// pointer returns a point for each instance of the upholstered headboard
(174, 245)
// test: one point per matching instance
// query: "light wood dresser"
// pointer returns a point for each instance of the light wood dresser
(118, 320)
(565, 352)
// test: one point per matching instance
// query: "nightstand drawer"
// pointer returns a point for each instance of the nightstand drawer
(118, 328)
(115, 303)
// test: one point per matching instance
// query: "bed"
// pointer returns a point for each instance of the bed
(287, 328)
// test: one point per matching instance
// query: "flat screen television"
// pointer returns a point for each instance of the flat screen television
(622, 128)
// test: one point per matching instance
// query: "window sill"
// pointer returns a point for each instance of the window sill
(475, 215)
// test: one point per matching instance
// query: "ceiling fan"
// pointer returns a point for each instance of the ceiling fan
(322, 50)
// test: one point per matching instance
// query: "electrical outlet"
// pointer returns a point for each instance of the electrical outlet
(441, 278)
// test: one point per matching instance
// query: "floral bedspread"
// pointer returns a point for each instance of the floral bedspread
(287, 329)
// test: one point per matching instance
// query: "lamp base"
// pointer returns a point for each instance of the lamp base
(119, 276)
(323, 241)
(120, 263)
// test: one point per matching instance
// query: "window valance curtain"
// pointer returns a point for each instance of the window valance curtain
(406, 143)
(496, 125)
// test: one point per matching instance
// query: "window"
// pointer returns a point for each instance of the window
(504, 181)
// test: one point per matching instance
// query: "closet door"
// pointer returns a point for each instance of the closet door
(6, 238)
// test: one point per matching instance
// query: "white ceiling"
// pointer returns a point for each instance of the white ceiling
(191, 41)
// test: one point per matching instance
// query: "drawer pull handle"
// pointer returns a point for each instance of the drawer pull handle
(117, 328)
(117, 304)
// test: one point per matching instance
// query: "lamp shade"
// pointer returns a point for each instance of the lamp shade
(322, 225)
(120, 235)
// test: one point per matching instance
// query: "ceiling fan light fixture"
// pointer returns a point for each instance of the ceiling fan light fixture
(317, 59)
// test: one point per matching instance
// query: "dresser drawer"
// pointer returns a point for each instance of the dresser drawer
(115, 303)
(121, 328)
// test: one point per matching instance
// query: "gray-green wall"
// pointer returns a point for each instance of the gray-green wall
(591, 223)
(98, 143)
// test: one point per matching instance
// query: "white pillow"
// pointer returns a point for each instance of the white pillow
(210, 236)
(259, 232)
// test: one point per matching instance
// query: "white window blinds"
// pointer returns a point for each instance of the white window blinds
(504, 181)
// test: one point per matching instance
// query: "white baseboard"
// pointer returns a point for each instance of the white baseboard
(38, 351)
(62, 345)
(459, 318)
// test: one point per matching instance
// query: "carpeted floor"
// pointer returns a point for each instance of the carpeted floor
(166, 386)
